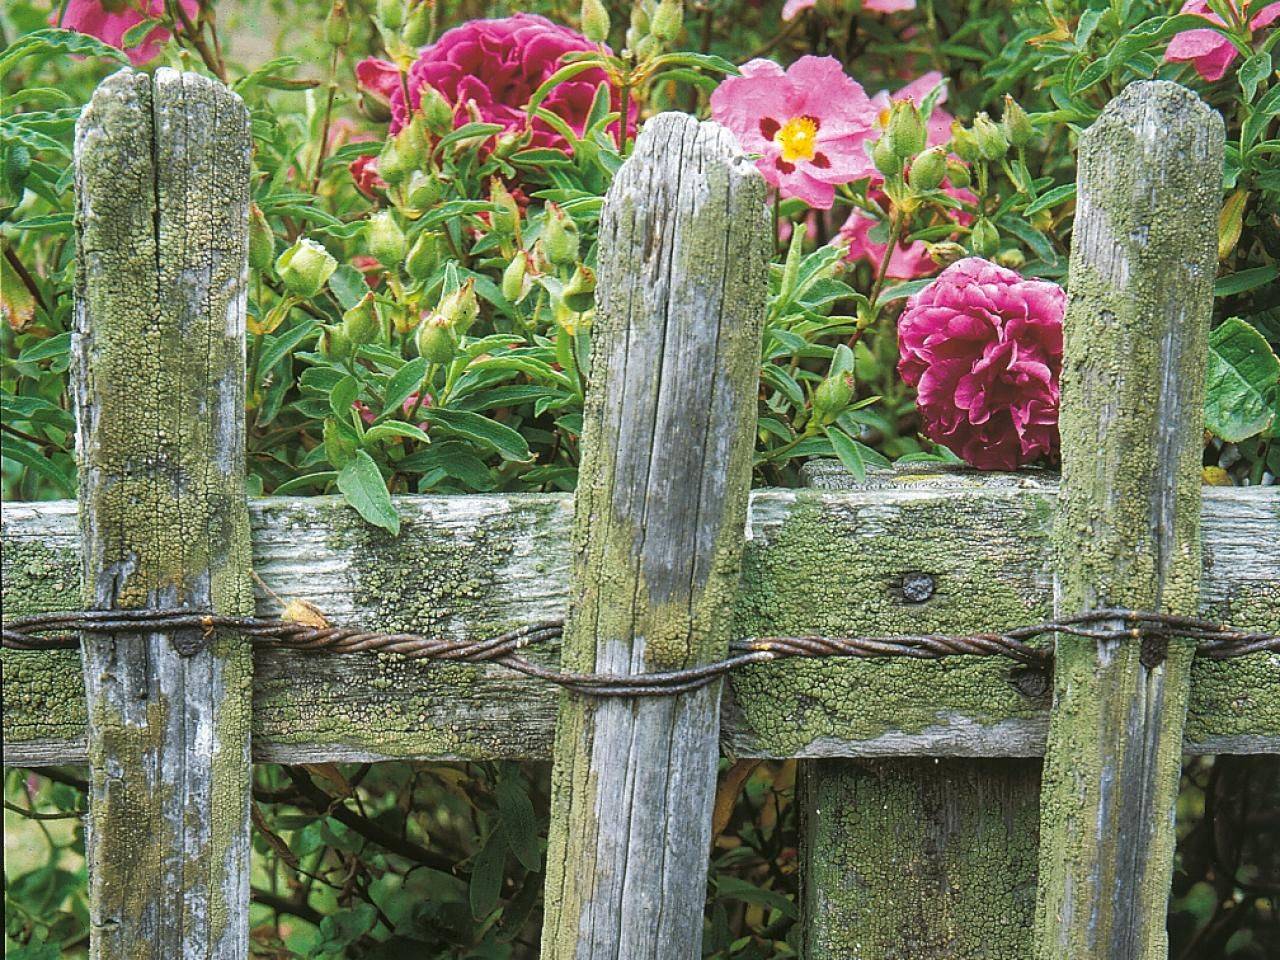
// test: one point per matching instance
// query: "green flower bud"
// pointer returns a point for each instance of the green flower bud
(384, 239)
(906, 129)
(595, 21)
(390, 14)
(985, 238)
(639, 26)
(339, 446)
(360, 324)
(436, 111)
(505, 217)
(423, 190)
(668, 20)
(831, 397)
(1011, 257)
(334, 343)
(337, 26)
(393, 166)
(958, 173)
(305, 267)
(423, 256)
(417, 28)
(929, 169)
(460, 308)
(991, 142)
(1017, 125)
(579, 293)
(262, 243)
(964, 144)
(886, 158)
(436, 339)
(946, 253)
(515, 278)
(559, 237)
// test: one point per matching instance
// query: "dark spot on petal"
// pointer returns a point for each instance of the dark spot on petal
(769, 127)
(820, 160)
(784, 166)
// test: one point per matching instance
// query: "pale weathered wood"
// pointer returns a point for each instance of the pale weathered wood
(467, 566)
(908, 859)
(162, 176)
(1143, 260)
(658, 535)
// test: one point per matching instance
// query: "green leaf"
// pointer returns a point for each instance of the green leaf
(1246, 280)
(564, 73)
(343, 396)
(846, 449)
(1253, 72)
(54, 347)
(484, 431)
(1241, 386)
(486, 874)
(276, 347)
(347, 284)
(364, 489)
(137, 34)
(403, 383)
(307, 482)
(1051, 198)
(519, 824)
(37, 462)
(734, 888)
(395, 428)
(53, 40)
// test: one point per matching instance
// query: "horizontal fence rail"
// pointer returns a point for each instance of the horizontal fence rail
(471, 566)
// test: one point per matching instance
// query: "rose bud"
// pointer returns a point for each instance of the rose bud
(334, 343)
(360, 324)
(559, 236)
(505, 217)
(886, 158)
(417, 27)
(580, 292)
(831, 397)
(262, 243)
(423, 190)
(1012, 257)
(991, 142)
(436, 111)
(985, 238)
(460, 308)
(906, 129)
(1017, 125)
(958, 173)
(668, 20)
(964, 144)
(929, 169)
(423, 256)
(384, 239)
(946, 253)
(595, 21)
(437, 341)
(390, 13)
(337, 26)
(305, 267)
(393, 165)
(515, 278)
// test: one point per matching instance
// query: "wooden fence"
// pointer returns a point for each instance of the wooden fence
(930, 827)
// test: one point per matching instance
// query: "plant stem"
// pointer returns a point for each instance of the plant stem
(24, 275)
(323, 147)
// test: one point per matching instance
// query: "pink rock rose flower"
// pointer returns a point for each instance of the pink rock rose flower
(810, 123)
(1210, 51)
(110, 21)
(794, 7)
(495, 65)
(983, 348)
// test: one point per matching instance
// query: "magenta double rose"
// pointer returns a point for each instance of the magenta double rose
(983, 348)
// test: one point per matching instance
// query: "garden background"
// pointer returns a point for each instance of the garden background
(420, 320)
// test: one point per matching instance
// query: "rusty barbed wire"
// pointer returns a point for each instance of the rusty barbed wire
(1215, 641)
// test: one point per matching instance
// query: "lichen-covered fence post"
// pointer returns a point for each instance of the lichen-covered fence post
(658, 537)
(931, 858)
(162, 180)
(1128, 528)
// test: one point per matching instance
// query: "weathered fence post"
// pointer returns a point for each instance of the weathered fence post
(918, 858)
(658, 536)
(162, 179)
(1128, 533)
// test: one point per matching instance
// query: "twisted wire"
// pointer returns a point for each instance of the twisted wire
(1214, 641)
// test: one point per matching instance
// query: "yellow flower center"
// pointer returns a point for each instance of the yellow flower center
(797, 138)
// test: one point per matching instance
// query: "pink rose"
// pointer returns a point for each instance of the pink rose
(1210, 51)
(109, 22)
(810, 123)
(983, 348)
(495, 65)
(795, 7)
